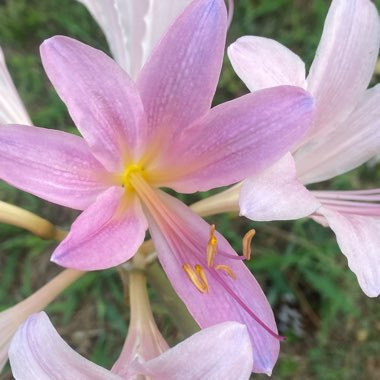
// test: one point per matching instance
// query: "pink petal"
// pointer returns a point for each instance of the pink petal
(181, 237)
(103, 102)
(239, 139)
(37, 352)
(178, 82)
(277, 194)
(133, 28)
(12, 110)
(53, 165)
(261, 63)
(344, 61)
(106, 234)
(219, 352)
(349, 145)
(358, 237)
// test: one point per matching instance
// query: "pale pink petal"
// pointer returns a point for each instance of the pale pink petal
(53, 165)
(358, 237)
(178, 82)
(239, 138)
(103, 102)
(261, 63)
(106, 234)
(349, 145)
(37, 352)
(319, 219)
(12, 109)
(277, 194)
(344, 61)
(218, 352)
(181, 237)
(133, 28)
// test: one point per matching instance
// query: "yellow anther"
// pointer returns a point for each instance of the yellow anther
(202, 275)
(211, 252)
(227, 270)
(211, 246)
(197, 277)
(247, 239)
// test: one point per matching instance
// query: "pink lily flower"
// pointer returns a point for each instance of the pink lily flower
(223, 351)
(159, 132)
(345, 135)
(12, 318)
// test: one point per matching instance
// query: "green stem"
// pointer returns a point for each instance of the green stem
(178, 311)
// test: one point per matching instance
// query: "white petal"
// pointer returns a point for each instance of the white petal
(358, 237)
(277, 194)
(262, 62)
(344, 61)
(12, 109)
(351, 144)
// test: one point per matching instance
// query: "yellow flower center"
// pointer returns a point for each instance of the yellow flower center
(130, 171)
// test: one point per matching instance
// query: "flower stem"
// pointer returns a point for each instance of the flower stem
(19, 217)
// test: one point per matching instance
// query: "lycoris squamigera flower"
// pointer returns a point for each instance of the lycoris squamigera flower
(159, 132)
(345, 135)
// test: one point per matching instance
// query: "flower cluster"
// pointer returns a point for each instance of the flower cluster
(146, 125)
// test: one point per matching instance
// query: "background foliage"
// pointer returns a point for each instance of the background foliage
(332, 329)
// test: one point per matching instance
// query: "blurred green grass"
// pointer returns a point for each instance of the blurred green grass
(332, 329)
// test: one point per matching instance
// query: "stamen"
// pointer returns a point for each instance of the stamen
(202, 275)
(211, 246)
(247, 239)
(227, 270)
(197, 277)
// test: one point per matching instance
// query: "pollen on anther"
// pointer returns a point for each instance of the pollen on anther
(197, 277)
(202, 275)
